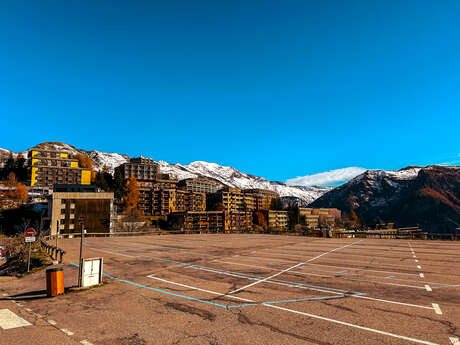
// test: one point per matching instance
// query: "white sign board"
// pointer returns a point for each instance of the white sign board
(92, 272)
(30, 239)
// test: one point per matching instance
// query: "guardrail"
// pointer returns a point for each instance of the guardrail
(53, 251)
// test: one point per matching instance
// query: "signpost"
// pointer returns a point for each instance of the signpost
(30, 237)
(82, 224)
(57, 236)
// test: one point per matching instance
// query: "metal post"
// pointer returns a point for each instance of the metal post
(57, 235)
(28, 261)
(80, 270)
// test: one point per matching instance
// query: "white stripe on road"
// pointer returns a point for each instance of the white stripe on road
(437, 309)
(309, 315)
(9, 320)
(85, 342)
(290, 268)
(66, 331)
(198, 289)
(352, 325)
(454, 341)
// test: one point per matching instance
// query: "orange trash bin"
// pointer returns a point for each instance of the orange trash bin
(54, 281)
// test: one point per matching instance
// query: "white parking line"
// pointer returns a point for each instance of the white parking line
(151, 276)
(85, 342)
(352, 325)
(309, 315)
(301, 287)
(437, 309)
(66, 331)
(9, 320)
(454, 341)
(292, 267)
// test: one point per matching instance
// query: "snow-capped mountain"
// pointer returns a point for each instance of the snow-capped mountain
(226, 175)
(236, 179)
(428, 196)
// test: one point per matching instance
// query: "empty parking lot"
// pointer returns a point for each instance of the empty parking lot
(258, 289)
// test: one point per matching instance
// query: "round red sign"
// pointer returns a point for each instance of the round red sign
(30, 232)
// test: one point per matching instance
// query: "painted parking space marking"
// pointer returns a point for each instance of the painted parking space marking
(85, 342)
(66, 331)
(290, 268)
(418, 341)
(9, 320)
(454, 340)
(437, 309)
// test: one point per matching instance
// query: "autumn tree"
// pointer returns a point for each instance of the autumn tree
(132, 195)
(21, 192)
(259, 219)
(11, 183)
(353, 215)
(84, 161)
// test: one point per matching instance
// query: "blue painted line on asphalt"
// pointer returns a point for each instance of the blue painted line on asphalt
(160, 291)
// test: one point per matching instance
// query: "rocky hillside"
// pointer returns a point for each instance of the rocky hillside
(428, 197)
(226, 175)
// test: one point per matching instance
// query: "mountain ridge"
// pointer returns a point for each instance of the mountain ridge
(227, 175)
(425, 196)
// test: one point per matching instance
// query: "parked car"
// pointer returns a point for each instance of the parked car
(2, 252)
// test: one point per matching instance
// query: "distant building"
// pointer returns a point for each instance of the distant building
(70, 202)
(278, 220)
(198, 221)
(199, 185)
(314, 217)
(190, 201)
(47, 168)
(237, 221)
(143, 169)
(263, 198)
(232, 200)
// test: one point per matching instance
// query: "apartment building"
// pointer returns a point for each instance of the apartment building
(197, 221)
(190, 201)
(199, 185)
(277, 220)
(237, 221)
(263, 198)
(314, 217)
(48, 167)
(70, 202)
(232, 200)
(143, 169)
(157, 197)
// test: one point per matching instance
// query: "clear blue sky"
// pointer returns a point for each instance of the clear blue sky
(274, 88)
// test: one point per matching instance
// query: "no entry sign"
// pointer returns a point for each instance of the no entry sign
(30, 232)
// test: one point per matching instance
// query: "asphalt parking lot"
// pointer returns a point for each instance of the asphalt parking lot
(248, 289)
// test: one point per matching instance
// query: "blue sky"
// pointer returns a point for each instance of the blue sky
(277, 89)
